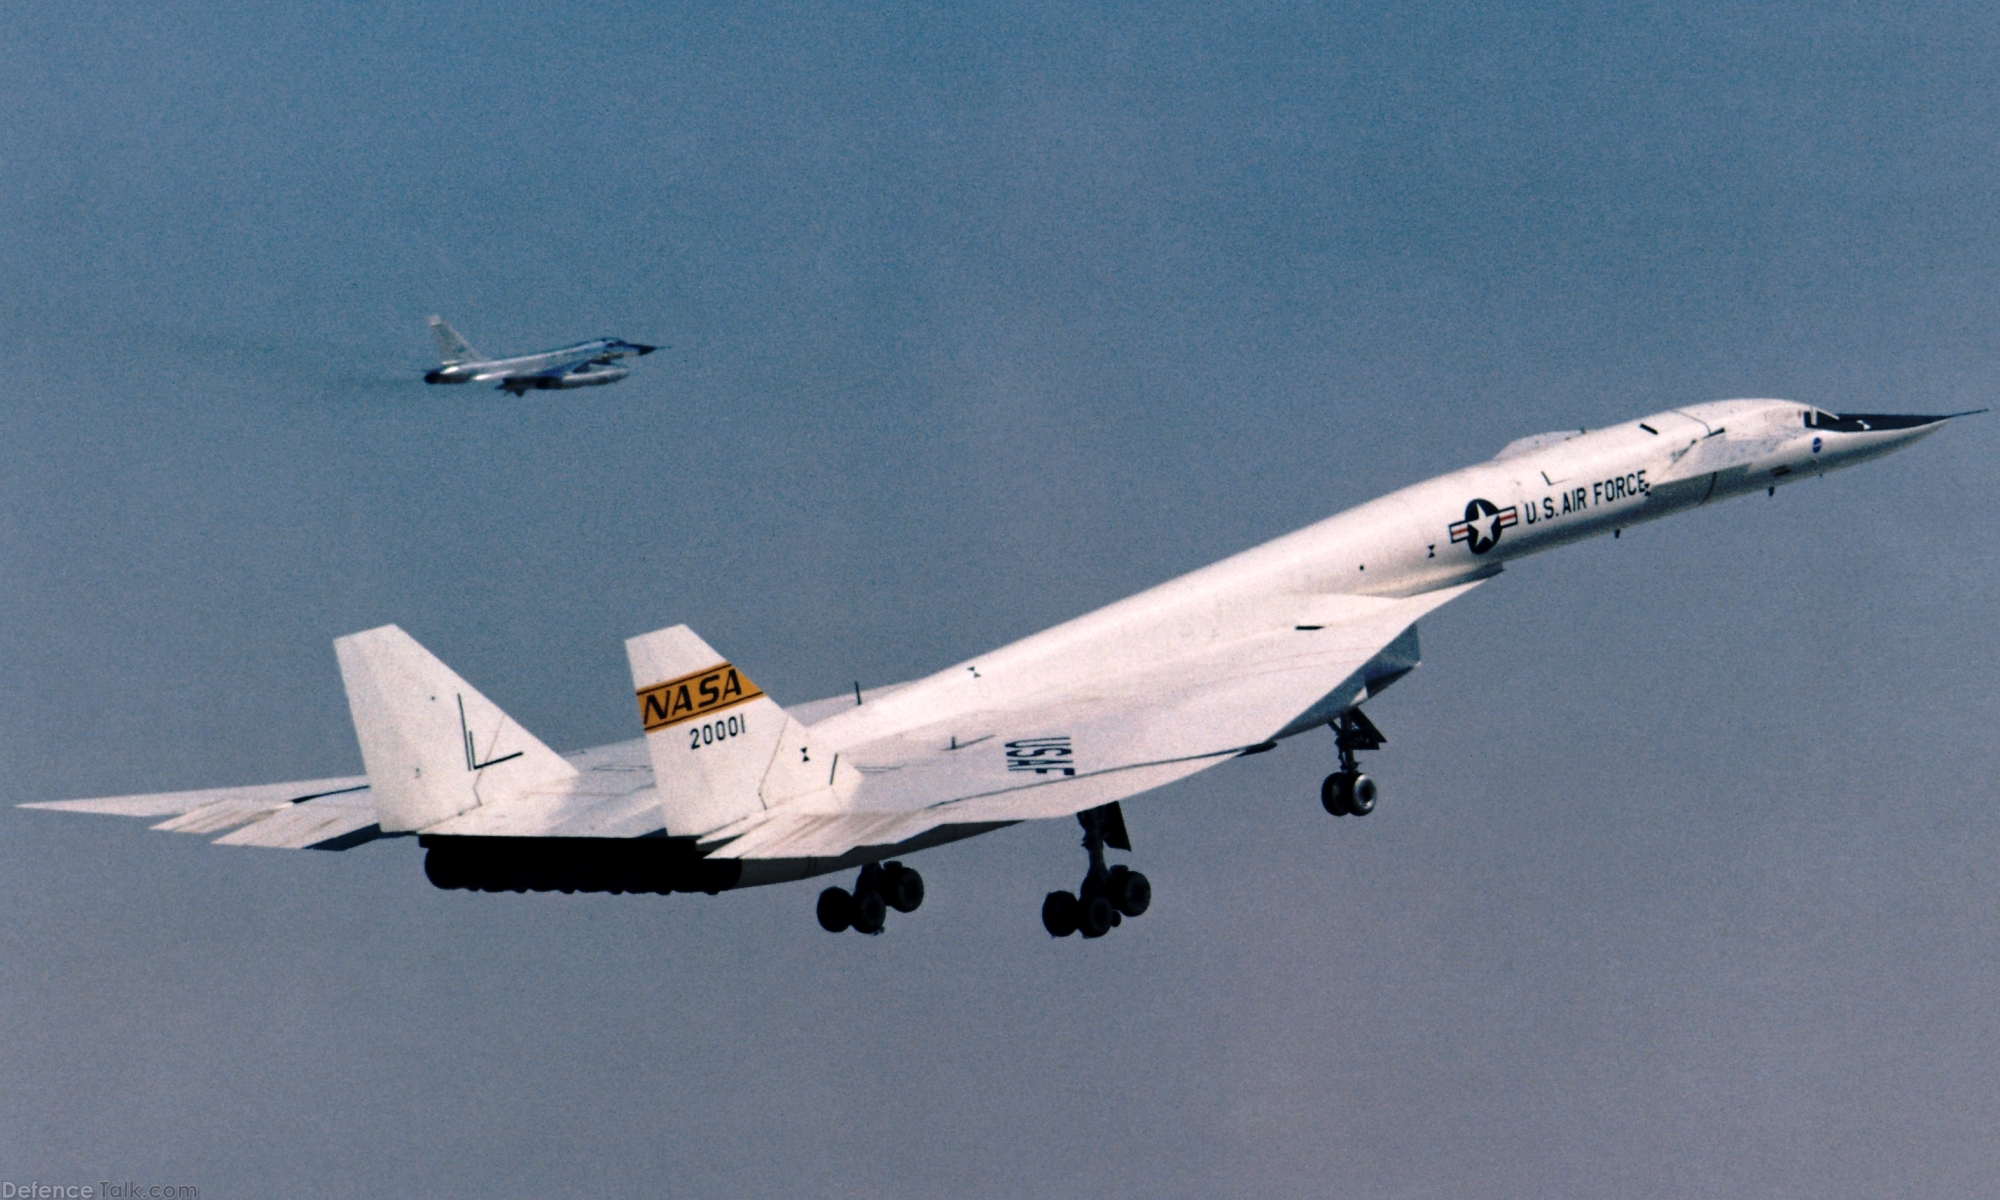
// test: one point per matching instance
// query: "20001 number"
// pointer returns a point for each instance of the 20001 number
(717, 731)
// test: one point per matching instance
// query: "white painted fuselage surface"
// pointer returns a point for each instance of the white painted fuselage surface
(1269, 643)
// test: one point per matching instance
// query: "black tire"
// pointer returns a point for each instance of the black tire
(1333, 793)
(1093, 918)
(1132, 893)
(1059, 914)
(1361, 795)
(870, 912)
(904, 890)
(836, 910)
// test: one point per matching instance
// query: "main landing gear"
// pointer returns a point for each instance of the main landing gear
(1107, 895)
(879, 888)
(1347, 792)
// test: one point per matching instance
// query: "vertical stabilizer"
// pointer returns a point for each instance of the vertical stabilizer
(454, 348)
(711, 731)
(433, 746)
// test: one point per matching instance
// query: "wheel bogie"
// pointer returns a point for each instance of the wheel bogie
(1348, 794)
(877, 889)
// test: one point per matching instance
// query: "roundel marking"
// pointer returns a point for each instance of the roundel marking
(1482, 525)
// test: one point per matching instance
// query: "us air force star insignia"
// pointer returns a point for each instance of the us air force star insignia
(1482, 525)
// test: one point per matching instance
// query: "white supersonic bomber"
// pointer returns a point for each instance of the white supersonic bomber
(586, 364)
(726, 789)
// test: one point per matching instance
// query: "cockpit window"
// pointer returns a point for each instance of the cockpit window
(1862, 422)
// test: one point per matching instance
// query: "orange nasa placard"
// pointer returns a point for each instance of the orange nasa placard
(691, 696)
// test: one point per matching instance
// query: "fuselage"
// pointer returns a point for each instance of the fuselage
(598, 351)
(1557, 488)
(1540, 492)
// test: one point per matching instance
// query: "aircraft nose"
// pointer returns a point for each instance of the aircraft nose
(1857, 437)
(643, 351)
(1894, 422)
(1909, 423)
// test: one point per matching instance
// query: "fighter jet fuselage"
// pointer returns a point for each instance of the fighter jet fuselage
(586, 364)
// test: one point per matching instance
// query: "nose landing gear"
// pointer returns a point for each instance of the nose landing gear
(879, 888)
(1347, 792)
(1108, 894)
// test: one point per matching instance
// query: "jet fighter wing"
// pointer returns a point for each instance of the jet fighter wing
(1051, 756)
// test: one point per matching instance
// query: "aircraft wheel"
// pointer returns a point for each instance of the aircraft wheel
(903, 888)
(1361, 795)
(1059, 914)
(1333, 793)
(1131, 893)
(836, 910)
(1096, 917)
(870, 912)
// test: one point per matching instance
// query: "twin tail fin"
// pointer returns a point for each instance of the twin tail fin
(432, 745)
(722, 750)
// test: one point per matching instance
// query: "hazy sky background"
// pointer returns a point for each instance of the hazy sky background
(1684, 878)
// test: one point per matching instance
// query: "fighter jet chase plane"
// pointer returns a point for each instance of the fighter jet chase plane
(726, 789)
(586, 364)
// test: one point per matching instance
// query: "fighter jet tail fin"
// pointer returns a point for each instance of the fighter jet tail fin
(454, 348)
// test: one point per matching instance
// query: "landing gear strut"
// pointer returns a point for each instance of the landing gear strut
(1108, 894)
(1347, 792)
(879, 888)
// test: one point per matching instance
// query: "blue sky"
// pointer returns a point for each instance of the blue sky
(978, 317)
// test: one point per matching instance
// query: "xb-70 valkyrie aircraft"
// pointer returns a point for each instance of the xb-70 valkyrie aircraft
(726, 789)
(586, 364)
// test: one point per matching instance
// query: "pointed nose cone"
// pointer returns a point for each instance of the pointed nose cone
(1922, 427)
(1888, 422)
(1858, 437)
(1887, 433)
(1883, 423)
(643, 351)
